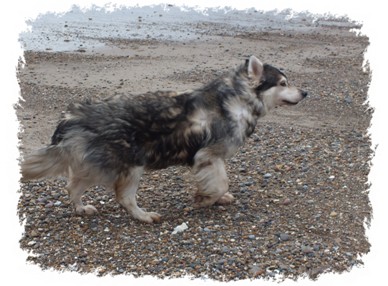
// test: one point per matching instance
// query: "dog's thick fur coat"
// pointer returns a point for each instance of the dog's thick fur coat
(111, 142)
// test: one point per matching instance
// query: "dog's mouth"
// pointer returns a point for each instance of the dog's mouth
(287, 102)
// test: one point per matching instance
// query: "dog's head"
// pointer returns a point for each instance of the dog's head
(272, 86)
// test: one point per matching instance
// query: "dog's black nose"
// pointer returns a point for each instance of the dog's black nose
(304, 93)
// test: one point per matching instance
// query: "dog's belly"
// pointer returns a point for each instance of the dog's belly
(167, 152)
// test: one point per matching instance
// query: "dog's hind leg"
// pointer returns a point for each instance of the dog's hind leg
(125, 188)
(76, 188)
(212, 180)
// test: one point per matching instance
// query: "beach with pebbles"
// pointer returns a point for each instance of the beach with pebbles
(300, 181)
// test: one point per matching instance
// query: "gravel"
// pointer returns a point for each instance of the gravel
(300, 181)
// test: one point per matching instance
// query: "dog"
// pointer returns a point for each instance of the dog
(111, 142)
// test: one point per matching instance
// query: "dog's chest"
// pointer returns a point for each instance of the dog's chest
(242, 114)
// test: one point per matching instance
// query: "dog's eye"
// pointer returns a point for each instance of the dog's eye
(283, 83)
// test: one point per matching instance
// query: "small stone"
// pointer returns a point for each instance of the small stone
(317, 216)
(348, 99)
(317, 271)
(282, 266)
(306, 249)
(333, 214)
(251, 237)
(34, 233)
(31, 243)
(180, 228)
(256, 270)
(101, 270)
(272, 274)
(49, 205)
(284, 237)
(93, 225)
(267, 176)
(286, 201)
(305, 169)
(232, 261)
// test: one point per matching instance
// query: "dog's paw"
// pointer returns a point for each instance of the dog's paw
(201, 201)
(149, 217)
(226, 199)
(86, 210)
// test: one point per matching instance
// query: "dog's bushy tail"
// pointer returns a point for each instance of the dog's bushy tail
(45, 162)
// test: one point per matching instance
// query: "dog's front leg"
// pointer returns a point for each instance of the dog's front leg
(212, 180)
(125, 189)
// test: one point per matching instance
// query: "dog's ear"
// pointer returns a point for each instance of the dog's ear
(255, 68)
